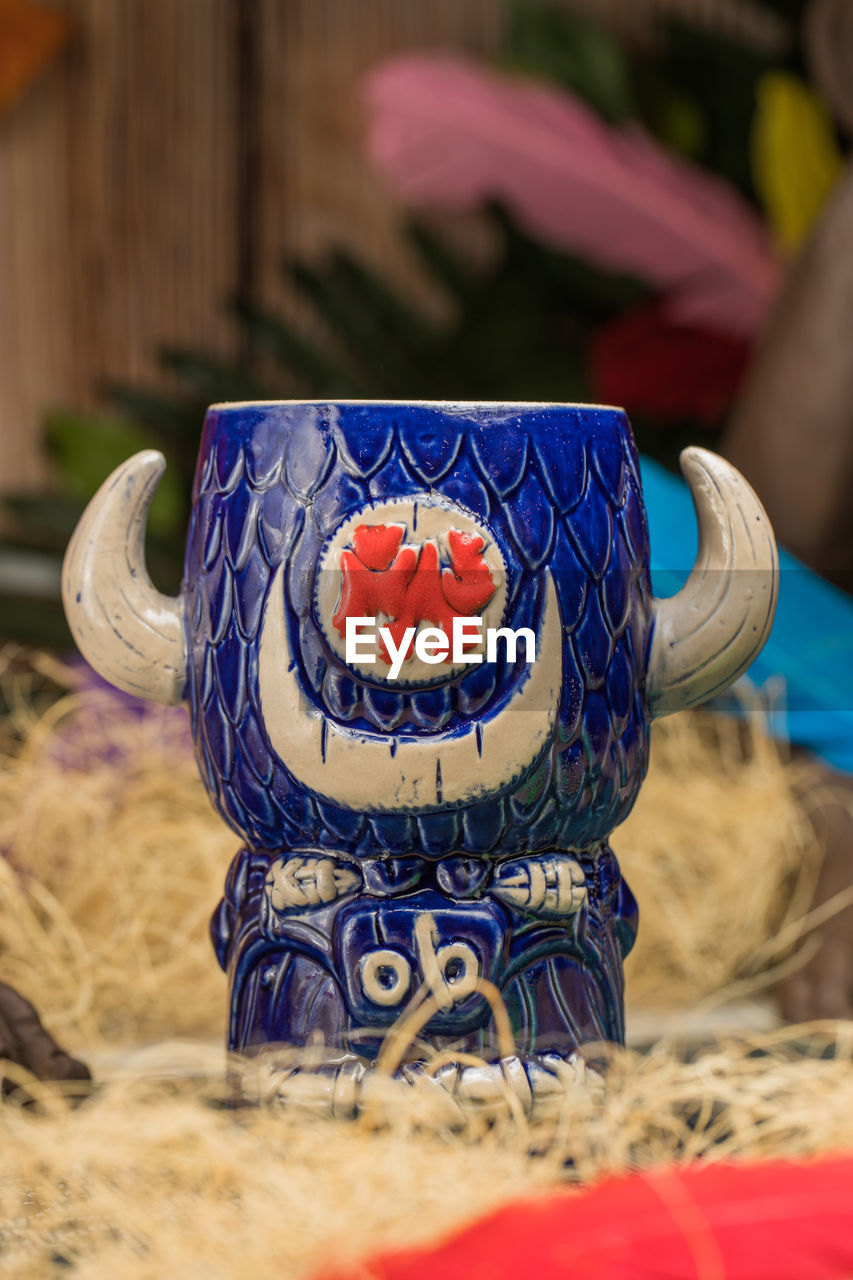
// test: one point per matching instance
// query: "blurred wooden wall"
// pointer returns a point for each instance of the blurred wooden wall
(171, 155)
(168, 158)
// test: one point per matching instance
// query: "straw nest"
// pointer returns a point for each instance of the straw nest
(112, 862)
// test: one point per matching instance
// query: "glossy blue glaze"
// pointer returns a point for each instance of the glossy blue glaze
(558, 489)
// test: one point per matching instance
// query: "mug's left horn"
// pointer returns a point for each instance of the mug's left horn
(125, 628)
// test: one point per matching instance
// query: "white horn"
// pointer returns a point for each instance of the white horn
(131, 633)
(707, 634)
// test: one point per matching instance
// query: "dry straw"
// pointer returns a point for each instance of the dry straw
(721, 856)
(114, 860)
(112, 863)
(151, 1178)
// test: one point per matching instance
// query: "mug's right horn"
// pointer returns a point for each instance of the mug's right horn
(704, 637)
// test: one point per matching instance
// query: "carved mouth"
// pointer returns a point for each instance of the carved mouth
(351, 700)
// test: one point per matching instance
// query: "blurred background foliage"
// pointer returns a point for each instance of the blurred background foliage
(535, 323)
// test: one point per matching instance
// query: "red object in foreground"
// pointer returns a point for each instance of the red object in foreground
(773, 1221)
(665, 371)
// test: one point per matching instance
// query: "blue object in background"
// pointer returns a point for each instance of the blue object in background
(810, 649)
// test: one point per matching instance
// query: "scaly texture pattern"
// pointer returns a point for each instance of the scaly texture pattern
(561, 495)
(558, 491)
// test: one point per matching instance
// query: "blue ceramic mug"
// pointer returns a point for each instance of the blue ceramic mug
(421, 656)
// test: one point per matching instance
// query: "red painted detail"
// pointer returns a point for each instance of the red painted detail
(407, 585)
(377, 544)
(468, 587)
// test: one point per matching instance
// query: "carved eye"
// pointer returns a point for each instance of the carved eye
(458, 971)
(385, 977)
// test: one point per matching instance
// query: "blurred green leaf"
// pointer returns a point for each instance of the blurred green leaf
(671, 114)
(86, 449)
(212, 379)
(300, 360)
(43, 521)
(34, 621)
(719, 76)
(575, 52)
(352, 315)
(518, 330)
(390, 315)
(442, 263)
(168, 419)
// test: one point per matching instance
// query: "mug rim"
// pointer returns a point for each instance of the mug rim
(422, 404)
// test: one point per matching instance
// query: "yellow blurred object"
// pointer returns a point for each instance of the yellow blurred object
(796, 160)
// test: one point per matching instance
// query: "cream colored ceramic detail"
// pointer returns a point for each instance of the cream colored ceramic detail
(124, 627)
(426, 518)
(448, 1095)
(552, 885)
(385, 977)
(393, 774)
(301, 882)
(706, 636)
(451, 972)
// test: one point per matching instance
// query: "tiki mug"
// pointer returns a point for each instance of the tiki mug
(421, 656)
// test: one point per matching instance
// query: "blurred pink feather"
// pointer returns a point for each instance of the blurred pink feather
(449, 134)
